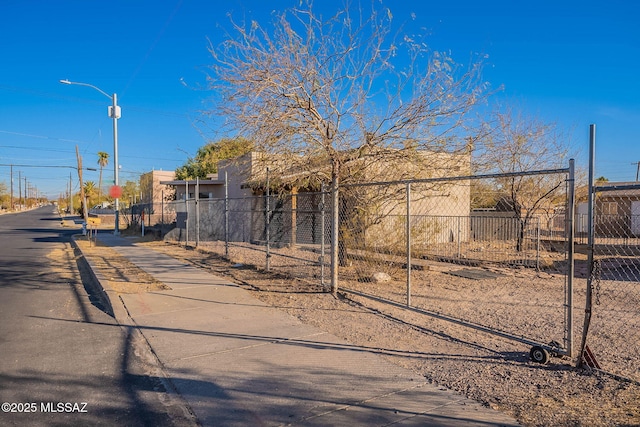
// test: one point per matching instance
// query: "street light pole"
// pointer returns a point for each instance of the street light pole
(114, 113)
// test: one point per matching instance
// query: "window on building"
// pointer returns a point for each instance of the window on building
(610, 208)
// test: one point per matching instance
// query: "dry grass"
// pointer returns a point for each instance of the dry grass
(122, 275)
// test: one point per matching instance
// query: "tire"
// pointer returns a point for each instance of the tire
(539, 355)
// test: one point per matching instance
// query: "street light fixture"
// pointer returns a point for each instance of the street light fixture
(114, 113)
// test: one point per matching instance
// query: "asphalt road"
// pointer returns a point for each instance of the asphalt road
(64, 361)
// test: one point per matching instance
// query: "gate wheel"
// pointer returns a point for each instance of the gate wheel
(539, 355)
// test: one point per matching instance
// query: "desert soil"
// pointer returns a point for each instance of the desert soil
(122, 276)
(489, 369)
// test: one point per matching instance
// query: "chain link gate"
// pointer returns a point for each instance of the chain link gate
(419, 245)
(611, 336)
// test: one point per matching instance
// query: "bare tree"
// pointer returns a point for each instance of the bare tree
(347, 91)
(522, 143)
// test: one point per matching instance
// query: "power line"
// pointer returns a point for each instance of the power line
(75, 141)
(45, 166)
(34, 148)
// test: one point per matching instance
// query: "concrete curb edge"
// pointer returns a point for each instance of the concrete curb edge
(120, 313)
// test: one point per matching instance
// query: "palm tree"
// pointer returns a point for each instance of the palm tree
(103, 160)
(89, 188)
(89, 192)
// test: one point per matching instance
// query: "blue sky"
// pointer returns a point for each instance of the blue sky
(569, 62)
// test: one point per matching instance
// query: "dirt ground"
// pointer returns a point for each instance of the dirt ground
(121, 275)
(494, 371)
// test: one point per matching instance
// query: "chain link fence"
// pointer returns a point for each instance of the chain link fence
(434, 246)
(156, 217)
(417, 244)
(422, 245)
(287, 233)
(613, 338)
(425, 245)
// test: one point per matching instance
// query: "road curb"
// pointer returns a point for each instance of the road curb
(115, 307)
(109, 299)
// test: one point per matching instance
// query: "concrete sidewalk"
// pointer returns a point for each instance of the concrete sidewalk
(239, 362)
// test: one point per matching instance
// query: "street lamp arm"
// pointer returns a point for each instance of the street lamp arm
(67, 82)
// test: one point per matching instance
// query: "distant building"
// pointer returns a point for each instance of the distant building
(246, 177)
(617, 210)
(152, 188)
(239, 173)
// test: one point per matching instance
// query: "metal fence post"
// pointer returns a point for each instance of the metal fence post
(538, 244)
(162, 213)
(294, 217)
(226, 215)
(335, 221)
(266, 224)
(197, 208)
(590, 242)
(186, 213)
(322, 231)
(570, 254)
(459, 240)
(408, 232)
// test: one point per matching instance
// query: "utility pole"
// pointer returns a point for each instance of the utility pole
(20, 190)
(11, 204)
(637, 170)
(83, 199)
(70, 195)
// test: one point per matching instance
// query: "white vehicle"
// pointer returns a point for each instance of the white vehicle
(103, 205)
